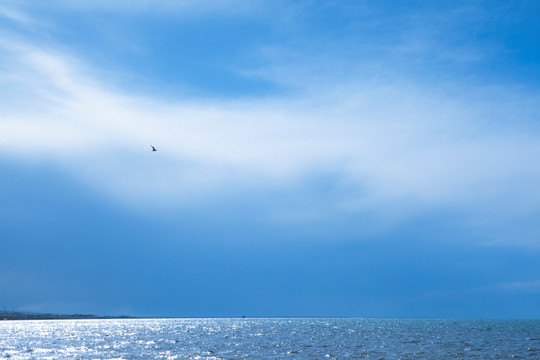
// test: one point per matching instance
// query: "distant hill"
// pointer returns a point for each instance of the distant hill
(16, 315)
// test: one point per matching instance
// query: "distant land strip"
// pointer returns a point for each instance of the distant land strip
(15, 315)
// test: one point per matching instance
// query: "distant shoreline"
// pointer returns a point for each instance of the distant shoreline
(14, 315)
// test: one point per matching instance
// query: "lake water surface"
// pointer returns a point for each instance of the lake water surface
(270, 339)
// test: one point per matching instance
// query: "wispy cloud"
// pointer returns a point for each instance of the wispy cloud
(394, 138)
(398, 141)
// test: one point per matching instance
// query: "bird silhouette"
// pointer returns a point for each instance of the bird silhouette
(153, 148)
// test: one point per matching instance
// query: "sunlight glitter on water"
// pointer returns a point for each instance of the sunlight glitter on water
(270, 339)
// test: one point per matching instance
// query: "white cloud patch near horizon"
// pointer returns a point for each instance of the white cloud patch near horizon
(399, 143)
(525, 286)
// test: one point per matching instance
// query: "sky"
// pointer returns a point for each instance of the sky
(314, 158)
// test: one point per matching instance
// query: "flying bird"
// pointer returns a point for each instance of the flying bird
(153, 148)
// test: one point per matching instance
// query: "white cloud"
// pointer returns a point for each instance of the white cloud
(394, 140)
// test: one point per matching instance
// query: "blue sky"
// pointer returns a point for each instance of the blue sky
(334, 158)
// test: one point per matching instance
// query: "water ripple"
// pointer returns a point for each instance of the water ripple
(220, 339)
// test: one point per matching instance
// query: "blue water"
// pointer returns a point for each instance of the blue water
(270, 339)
